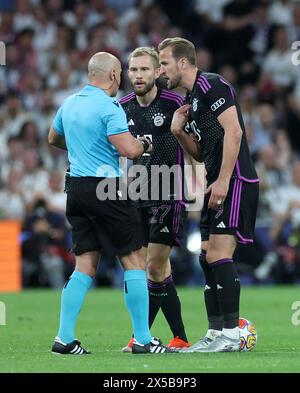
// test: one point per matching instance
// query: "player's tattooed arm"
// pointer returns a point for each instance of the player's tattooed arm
(188, 143)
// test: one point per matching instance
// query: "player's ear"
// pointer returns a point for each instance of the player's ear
(183, 63)
(157, 73)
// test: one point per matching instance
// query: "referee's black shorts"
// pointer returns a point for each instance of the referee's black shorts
(109, 226)
(236, 216)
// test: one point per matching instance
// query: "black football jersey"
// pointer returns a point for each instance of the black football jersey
(211, 95)
(154, 121)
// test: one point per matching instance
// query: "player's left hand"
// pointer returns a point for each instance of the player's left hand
(218, 190)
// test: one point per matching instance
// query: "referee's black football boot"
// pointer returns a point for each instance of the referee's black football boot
(154, 346)
(73, 348)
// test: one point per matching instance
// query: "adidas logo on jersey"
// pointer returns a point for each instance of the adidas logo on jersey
(165, 230)
(131, 122)
(221, 225)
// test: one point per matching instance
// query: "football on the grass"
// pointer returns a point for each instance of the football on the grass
(248, 334)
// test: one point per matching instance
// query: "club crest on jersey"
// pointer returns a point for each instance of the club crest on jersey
(195, 104)
(158, 119)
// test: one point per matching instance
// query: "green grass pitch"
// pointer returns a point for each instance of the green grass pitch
(104, 327)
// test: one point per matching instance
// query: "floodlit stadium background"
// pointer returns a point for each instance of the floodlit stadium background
(253, 44)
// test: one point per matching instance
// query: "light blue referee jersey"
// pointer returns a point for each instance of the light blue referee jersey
(86, 120)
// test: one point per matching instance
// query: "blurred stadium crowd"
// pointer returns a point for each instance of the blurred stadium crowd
(48, 44)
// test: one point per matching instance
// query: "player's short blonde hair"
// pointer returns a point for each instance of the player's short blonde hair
(145, 51)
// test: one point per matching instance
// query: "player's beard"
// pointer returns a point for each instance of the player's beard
(145, 90)
(172, 84)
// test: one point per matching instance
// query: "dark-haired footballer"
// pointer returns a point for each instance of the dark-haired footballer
(210, 128)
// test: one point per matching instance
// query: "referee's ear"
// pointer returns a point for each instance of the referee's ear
(112, 74)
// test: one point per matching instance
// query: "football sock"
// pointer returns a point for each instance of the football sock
(137, 301)
(212, 334)
(213, 310)
(228, 289)
(157, 292)
(232, 333)
(72, 298)
(171, 307)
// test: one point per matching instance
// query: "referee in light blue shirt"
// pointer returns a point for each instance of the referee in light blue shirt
(91, 125)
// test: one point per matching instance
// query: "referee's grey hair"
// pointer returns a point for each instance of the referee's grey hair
(144, 51)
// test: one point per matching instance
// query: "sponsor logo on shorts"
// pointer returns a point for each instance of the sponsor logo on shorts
(165, 230)
(221, 225)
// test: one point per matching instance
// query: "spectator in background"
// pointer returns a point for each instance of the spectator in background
(44, 242)
(54, 195)
(7, 32)
(277, 64)
(204, 59)
(135, 38)
(283, 149)
(13, 157)
(284, 258)
(115, 38)
(156, 24)
(3, 140)
(229, 73)
(77, 20)
(263, 127)
(58, 56)
(261, 31)
(293, 28)
(23, 17)
(29, 135)
(43, 115)
(13, 114)
(10, 74)
(30, 86)
(280, 12)
(35, 178)
(11, 199)
(271, 176)
(55, 10)
(28, 54)
(44, 30)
